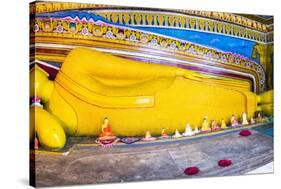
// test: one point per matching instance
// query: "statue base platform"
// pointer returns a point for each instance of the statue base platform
(84, 162)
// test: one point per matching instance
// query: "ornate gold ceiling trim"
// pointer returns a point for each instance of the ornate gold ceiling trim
(88, 34)
(230, 18)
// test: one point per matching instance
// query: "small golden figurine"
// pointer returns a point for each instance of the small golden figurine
(223, 124)
(252, 121)
(164, 134)
(196, 130)
(148, 137)
(177, 134)
(260, 118)
(244, 119)
(205, 125)
(188, 130)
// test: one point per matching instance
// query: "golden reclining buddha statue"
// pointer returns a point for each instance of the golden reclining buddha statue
(135, 96)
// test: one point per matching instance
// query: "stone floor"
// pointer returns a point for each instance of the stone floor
(126, 163)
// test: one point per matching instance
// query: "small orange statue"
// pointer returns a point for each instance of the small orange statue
(164, 134)
(106, 138)
(106, 130)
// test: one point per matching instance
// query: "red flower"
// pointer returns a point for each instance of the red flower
(224, 163)
(245, 133)
(191, 170)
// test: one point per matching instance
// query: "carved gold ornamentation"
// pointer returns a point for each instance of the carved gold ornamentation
(265, 52)
(119, 35)
(42, 7)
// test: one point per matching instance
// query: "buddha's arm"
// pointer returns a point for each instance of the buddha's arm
(103, 127)
(115, 71)
(104, 65)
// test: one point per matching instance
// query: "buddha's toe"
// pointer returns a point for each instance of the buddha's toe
(50, 132)
(53, 138)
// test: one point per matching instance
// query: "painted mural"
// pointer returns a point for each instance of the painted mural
(111, 76)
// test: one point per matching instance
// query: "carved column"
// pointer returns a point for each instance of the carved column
(265, 52)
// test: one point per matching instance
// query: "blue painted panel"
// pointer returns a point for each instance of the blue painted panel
(221, 42)
(224, 43)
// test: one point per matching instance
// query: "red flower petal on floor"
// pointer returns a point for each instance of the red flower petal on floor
(245, 133)
(224, 163)
(191, 170)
